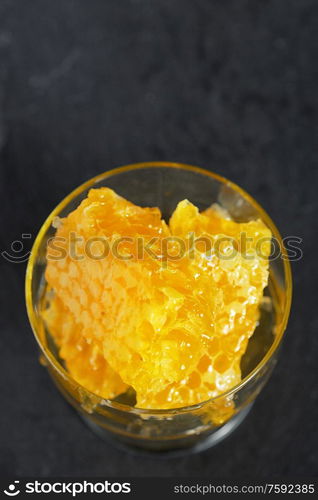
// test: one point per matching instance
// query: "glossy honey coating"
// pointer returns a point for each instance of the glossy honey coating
(172, 322)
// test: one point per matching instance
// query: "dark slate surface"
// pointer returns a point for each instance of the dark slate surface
(87, 86)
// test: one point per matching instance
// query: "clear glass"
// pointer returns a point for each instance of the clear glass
(196, 427)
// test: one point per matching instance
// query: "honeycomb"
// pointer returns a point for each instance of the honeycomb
(84, 361)
(166, 309)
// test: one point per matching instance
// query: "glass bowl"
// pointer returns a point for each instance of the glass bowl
(195, 427)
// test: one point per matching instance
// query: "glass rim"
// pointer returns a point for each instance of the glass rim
(32, 314)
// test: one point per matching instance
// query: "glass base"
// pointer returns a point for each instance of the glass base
(178, 447)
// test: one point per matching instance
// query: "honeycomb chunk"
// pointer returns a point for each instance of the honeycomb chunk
(84, 361)
(165, 309)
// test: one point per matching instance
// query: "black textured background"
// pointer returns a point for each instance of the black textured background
(228, 85)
